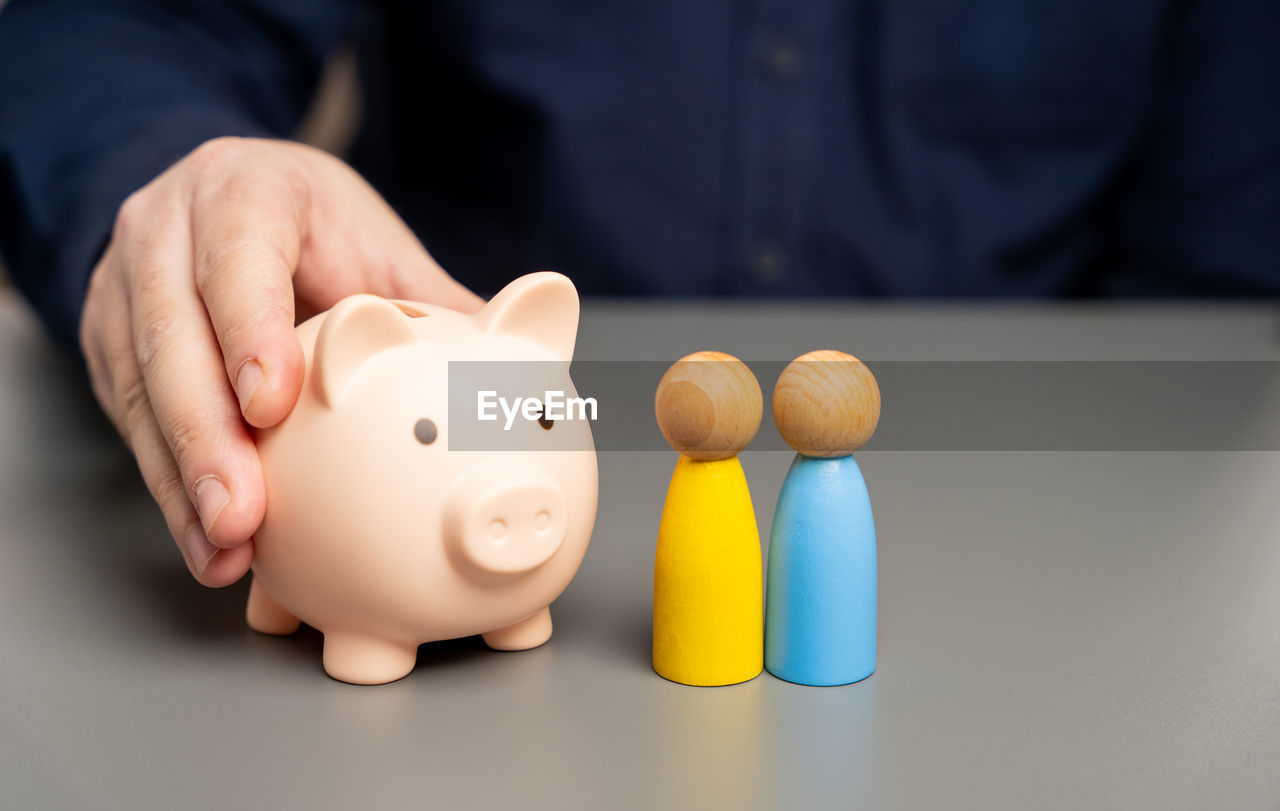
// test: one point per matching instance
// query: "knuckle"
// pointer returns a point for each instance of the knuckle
(88, 333)
(217, 155)
(102, 298)
(186, 434)
(295, 174)
(239, 251)
(134, 404)
(133, 215)
(101, 381)
(149, 285)
(94, 293)
(263, 321)
(145, 217)
(158, 336)
(119, 361)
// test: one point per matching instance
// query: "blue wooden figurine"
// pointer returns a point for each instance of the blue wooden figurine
(820, 608)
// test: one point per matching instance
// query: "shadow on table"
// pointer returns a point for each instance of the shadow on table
(635, 640)
(206, 616)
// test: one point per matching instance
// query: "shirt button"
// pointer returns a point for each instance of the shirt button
(780, 60)
(768, 264)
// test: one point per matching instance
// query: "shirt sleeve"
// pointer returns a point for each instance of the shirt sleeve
(97, 97)
(1198, 210)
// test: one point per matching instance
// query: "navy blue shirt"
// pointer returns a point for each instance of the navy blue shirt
(705, 147)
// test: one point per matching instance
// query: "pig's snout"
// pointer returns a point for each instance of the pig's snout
(505, 524)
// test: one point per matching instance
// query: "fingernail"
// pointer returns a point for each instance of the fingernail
(211, 497)
(199, 549)
(248, 378)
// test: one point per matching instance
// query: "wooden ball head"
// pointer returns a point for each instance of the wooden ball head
(709, 406)
(826, 404)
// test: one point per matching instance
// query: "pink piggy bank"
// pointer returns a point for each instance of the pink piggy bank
(380, 535)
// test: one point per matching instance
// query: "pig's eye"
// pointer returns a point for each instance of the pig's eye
(425, 431)
(545, 421)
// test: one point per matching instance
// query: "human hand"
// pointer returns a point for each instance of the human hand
(188, 324)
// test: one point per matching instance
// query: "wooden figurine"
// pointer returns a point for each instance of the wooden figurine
(708, 613)
(820, 626)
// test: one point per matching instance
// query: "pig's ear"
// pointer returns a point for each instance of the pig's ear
(542, 307)
(356, 329)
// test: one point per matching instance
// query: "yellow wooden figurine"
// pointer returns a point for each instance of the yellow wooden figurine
(708, 600)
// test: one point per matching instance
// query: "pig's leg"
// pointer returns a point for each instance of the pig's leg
(525, 634)
(363, 659)
(267, 616)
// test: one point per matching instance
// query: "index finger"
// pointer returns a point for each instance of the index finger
(247, 235)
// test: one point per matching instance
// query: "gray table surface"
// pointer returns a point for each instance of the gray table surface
(1058, 630)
